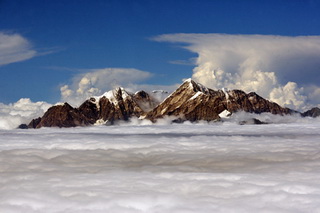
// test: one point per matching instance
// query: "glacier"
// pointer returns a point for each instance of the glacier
(190, 167)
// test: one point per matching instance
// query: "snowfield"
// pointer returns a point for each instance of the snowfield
(219, 167)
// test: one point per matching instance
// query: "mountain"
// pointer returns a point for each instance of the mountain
(62, 115)
(314, 112)
(114, 105)
(192, 101)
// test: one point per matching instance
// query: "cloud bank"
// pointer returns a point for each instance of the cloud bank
(23, 111)
(137, 169)
(95, 82)
(281, 68)
(14, 48)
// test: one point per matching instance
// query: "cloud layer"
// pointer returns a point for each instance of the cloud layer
(14, 48)
(280, 68)
(23, 111)
(162, 168)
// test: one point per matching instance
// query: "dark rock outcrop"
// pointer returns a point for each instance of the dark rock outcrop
(314, 112)
(194, 102)
(191, 101)
(252, 121)
(34, 123)
(114, 105)
(238, 100)
(63, 116)
(145, 101)
(120, 106)
(23, 126)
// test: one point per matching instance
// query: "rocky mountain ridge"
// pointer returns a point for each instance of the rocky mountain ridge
(114, 105)
(191, 101)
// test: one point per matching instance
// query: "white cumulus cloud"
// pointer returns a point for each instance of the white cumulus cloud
(276, 67)
(97, 81)
(14, 48)
(23, 111)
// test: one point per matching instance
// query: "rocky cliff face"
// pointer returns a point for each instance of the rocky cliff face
(61, 116)
(314, 112)
(191, 101)
(237, 100)
(114, 105)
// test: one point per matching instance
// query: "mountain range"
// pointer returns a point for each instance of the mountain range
(190, 102)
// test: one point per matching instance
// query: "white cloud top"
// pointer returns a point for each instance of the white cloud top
(280, 68)
(162, 168)
(97, 81)
(23, 111)
(14, 48)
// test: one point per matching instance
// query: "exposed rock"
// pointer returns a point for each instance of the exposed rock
(34, 123)
(252, 121)
(192, 101)
(145, 101)
(63, 116)
(23, 126)
(314, 112)
(112, 106)
(240, 101)
(119, 106)
(90, 110)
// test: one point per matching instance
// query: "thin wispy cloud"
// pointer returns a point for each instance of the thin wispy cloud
(50, 50)
(189, 62)
(281, 68)
(15, 48)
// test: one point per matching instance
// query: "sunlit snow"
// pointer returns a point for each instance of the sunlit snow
(217, 167)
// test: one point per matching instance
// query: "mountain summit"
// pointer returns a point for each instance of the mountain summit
(193, 101)
(190, 101)
(117, 104)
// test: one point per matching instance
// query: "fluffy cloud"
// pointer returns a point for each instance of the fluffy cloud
(97, 81)
(277, 67)
(14, 48)
(218, 167)
(23, 111)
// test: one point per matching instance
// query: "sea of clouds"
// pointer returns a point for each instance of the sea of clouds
(138, 166)
(215, 167)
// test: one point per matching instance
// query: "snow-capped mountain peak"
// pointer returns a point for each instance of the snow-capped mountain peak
(191, 101)
(196, 87)
(114, 95)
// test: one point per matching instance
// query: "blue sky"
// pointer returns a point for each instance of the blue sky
(72, 37)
